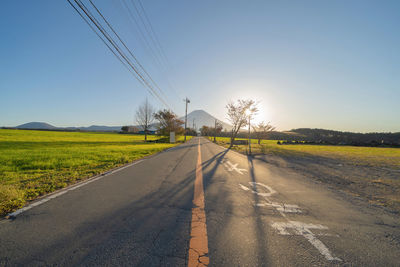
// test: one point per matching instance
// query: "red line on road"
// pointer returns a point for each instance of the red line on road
(198, 247)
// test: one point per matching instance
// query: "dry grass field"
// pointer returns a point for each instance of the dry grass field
(372, 173)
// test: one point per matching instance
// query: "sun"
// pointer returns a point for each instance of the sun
(258, 90)
(262, 114)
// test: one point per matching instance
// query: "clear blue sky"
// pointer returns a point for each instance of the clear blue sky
(319, 64)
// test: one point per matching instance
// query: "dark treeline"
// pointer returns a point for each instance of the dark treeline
(307, 134)
(321, 136)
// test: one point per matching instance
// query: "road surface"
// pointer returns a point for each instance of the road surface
(199, 204)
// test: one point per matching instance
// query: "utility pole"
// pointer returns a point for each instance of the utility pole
(186, 101)
(249, 135)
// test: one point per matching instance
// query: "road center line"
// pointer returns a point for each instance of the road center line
(198, 246)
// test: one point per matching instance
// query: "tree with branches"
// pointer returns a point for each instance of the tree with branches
(205, 130)
(262, 130)
(217, 130)
(145, 117)
(169, 122)
(239, 113)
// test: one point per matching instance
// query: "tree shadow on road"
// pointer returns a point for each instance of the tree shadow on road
(259, 226)
(221, 193)
(152, 230)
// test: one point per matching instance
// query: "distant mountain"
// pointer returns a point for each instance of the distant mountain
(46, 126)
(101, 128)
(202, 118)
(95, 128)
(36, 125)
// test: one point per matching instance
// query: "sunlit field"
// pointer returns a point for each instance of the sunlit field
(368, 172)
(370, 156)
(33, 163)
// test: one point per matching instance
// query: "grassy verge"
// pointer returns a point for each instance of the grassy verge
(33, 163)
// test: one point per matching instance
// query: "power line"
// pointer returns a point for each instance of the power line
(103, 31)
(157, 41)
(102, 39)
(137, 35)
(129, 51)
(98, 35)
(147, 41)
(157, 44)
(118, 51)
(142, 34)
(148, 31)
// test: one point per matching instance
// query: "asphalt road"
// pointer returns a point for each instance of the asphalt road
(255, 215)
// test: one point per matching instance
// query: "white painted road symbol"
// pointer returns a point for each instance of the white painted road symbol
(233, 167)
(289, 208)
(254, 189)
(304, 229)
(290, 227)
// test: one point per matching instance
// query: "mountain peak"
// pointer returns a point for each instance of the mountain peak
(200, 118)
(36, 125)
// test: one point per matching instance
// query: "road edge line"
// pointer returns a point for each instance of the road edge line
(43, 199)
(64, 190)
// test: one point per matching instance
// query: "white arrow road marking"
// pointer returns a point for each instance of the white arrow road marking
(304, 229)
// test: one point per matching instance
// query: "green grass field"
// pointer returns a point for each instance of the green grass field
(370, 156)
(33, 163)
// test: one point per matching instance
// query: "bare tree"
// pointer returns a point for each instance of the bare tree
(144, 117)
(262, 130)
(239, 113)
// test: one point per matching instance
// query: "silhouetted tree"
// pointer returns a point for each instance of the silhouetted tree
(262, 130)
(238, 115)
